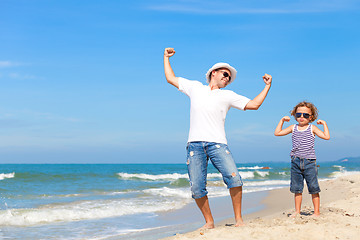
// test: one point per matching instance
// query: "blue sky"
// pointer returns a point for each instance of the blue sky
(83, 81)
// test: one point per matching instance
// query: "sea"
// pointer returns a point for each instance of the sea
(125, 201)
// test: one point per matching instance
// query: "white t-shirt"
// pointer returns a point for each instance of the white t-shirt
(208, 110)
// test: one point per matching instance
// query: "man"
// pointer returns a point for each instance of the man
(207, 140)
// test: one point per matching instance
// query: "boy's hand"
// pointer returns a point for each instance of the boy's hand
(169, 52)
(267, 79)
(322, 122)
(286, 119)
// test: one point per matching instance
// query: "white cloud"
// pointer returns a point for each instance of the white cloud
(22, 76)
(7, 64)
(38, 118)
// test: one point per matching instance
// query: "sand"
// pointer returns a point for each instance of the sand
(340, 216)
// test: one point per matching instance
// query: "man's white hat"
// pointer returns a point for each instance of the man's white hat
(221, 65)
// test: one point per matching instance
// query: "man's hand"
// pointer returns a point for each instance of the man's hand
(259, 99)
(267, 79)
(169, 73)
(169, 52)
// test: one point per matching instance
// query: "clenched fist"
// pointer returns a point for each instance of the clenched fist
(169, 52)
(267, 79)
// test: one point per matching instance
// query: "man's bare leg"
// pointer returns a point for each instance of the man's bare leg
(203, 204)
(236, 197)
(316, 202)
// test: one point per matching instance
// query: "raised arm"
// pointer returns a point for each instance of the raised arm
(259, 99)
(322, 134)
(169, 73)
(282, 132)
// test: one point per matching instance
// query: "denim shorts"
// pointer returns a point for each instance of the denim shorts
(198, 155)
(302, 168)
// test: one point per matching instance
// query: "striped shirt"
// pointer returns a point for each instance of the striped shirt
(303, 142)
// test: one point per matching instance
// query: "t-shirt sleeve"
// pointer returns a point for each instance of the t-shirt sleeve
(238, 101)
(186, 85)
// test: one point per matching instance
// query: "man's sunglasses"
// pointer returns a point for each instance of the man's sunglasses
(306, 115)
(225, 74)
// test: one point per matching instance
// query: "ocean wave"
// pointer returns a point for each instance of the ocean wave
(182, 182)
(216, 189)
(343, 173)
(185, 193)
(151, 177)
(177, 176)
(249, 190)
(261, 174)
(87, 210)
(267, 183)
(246, 175)
(219, 183)
(253, 168)
(341, 168)
(169, 192)
(254, 174)
(337, 166)
(159, 177)
(214, 175)
(6, 175)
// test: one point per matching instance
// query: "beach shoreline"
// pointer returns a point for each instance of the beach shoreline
(189, 218)
(340, 216)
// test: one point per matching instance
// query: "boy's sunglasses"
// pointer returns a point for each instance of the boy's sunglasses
(225, 74)
(306, 115)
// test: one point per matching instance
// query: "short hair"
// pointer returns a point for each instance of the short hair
(313, 109)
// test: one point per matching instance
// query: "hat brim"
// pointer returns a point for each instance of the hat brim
(222, 65)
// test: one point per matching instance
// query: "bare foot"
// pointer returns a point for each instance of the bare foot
(294, 215)
(315, 215)
(207, 226)
(239, 223)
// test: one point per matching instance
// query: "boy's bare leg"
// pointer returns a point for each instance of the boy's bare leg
(236, 197)
(298, 200)
(316, 202)
(203, 204)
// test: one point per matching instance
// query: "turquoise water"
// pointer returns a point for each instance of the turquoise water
(114, 201)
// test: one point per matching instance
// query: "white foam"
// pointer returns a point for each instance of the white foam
(341, 168)
(343, 173)
(219, 183)
(217, 192)
(246, 190)
(173, 176)
(86, 210)
(253, 168)
(267, 183)
(176, 176)
(170, 192)
(214, 175)
(262, 174)
(246, 175)
(6, 175)
(337, 166)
